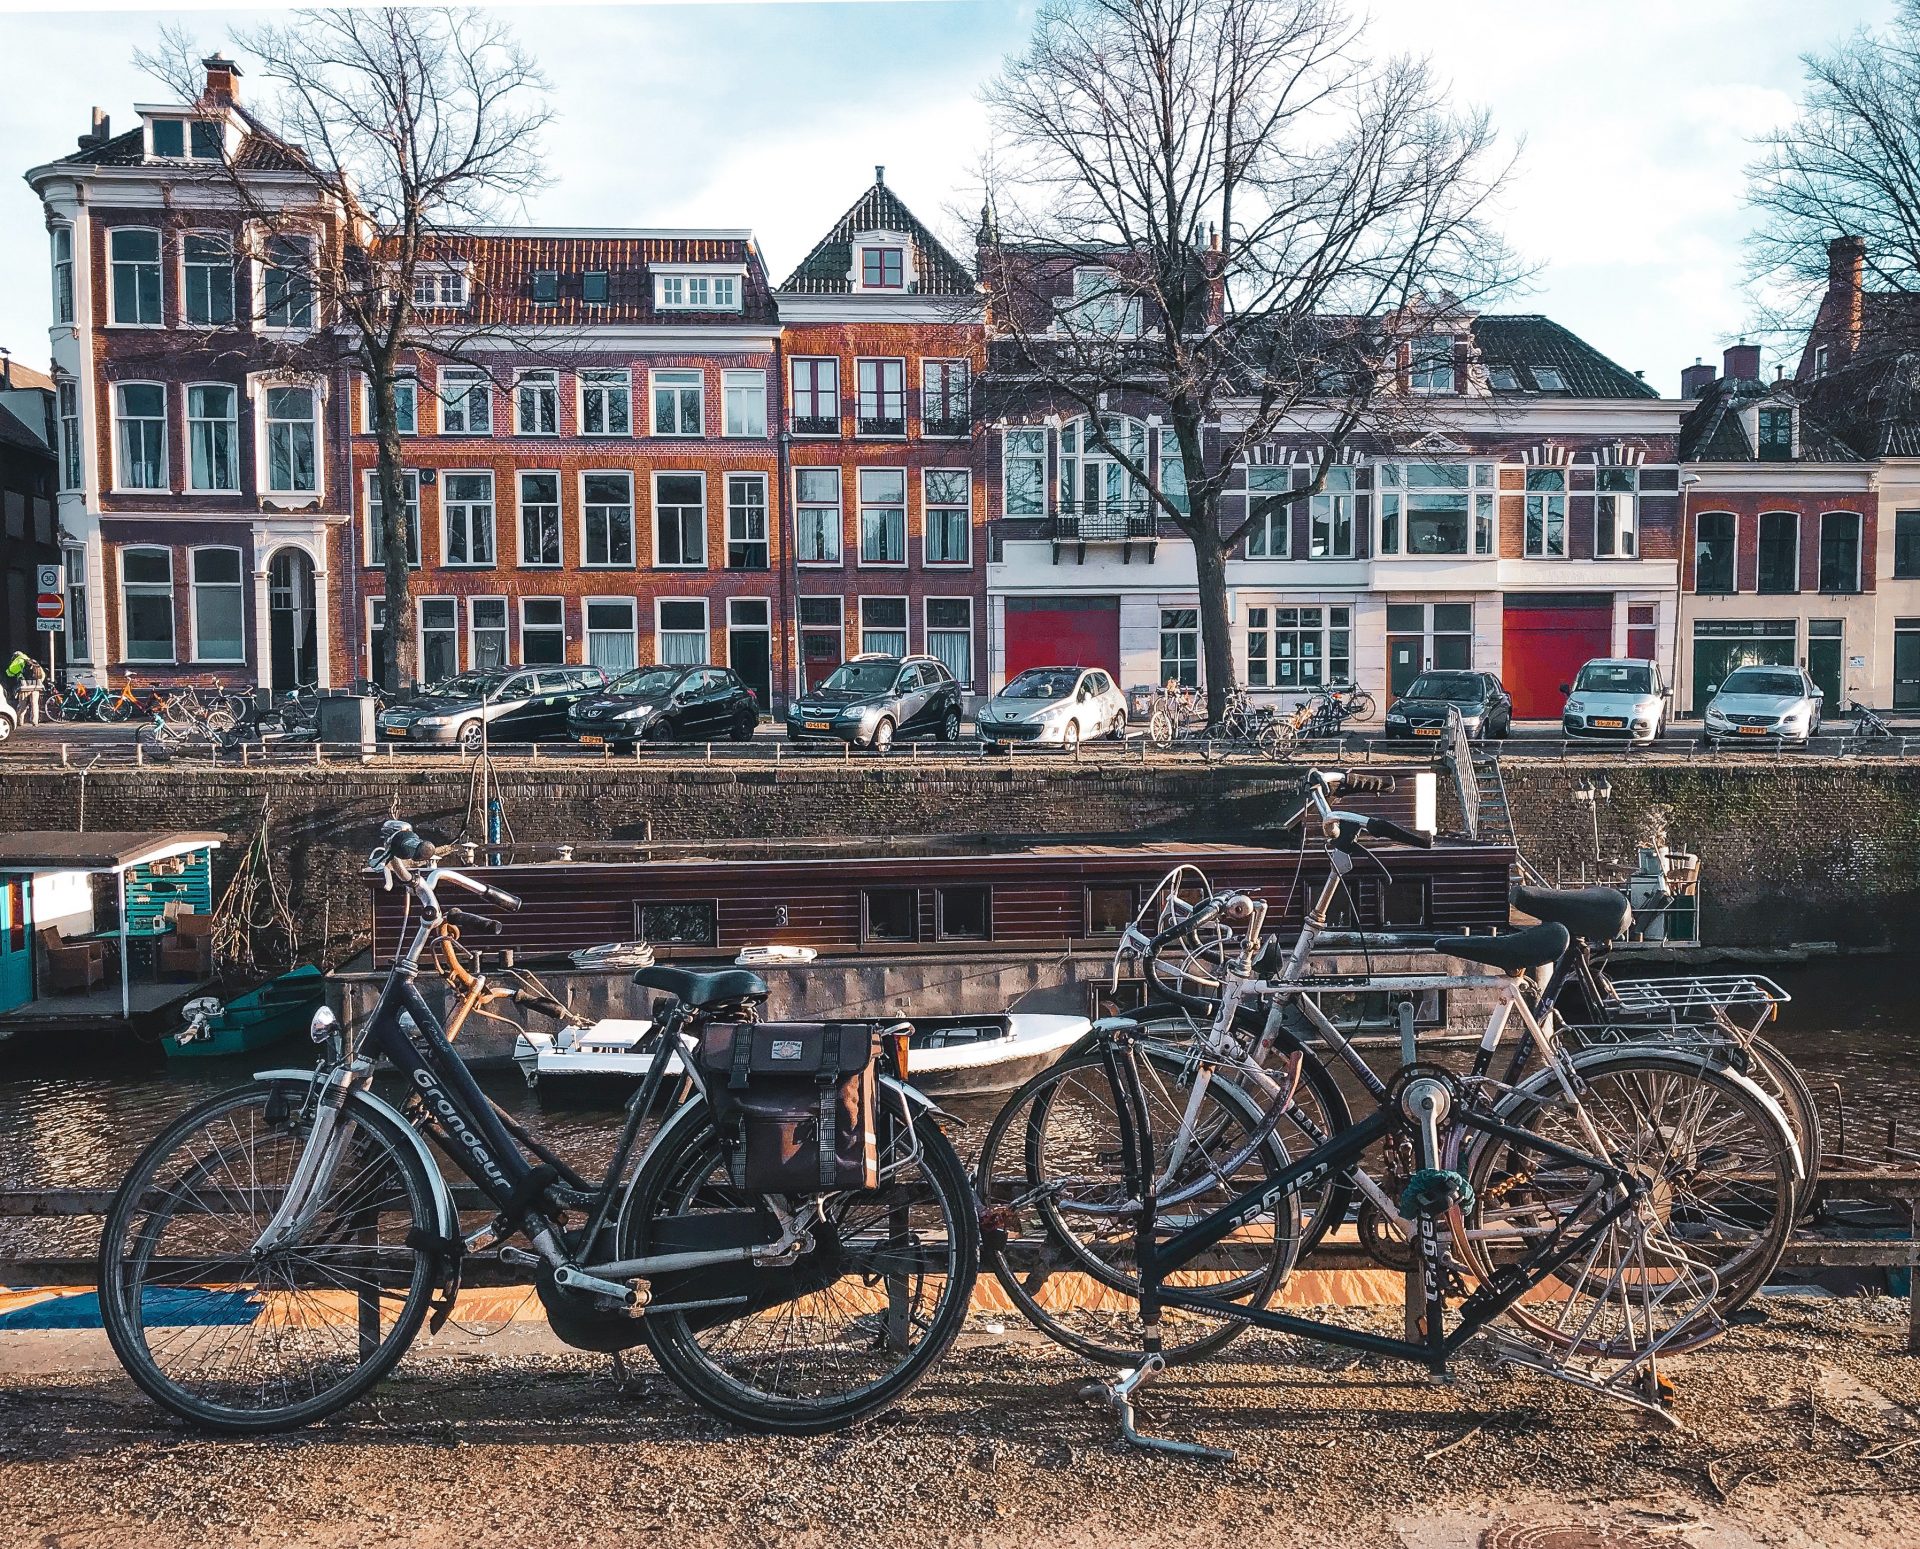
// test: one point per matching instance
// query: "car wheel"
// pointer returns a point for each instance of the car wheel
(1119, 730)
(659, 731)
(1070, 738)
(471, 737)
(6, 727)
(882, 738)
(743, 730)
(950, 727)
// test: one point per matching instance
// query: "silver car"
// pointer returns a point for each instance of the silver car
(1059, 706)
(1621, 697)
(1765, 702)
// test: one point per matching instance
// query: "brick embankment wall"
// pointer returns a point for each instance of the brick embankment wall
(1791, 852)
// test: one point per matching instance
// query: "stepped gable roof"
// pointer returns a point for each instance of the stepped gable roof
(826, 270)
(1521, 342)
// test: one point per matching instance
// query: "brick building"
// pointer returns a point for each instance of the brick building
(29, 534)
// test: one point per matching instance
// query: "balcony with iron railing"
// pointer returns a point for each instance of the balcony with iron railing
(1125, 522)
(945, 415)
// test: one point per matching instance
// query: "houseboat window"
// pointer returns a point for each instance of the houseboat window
(1404, 903)
(966, 912)
(1109, 910)
(684, 924)
(891, 914)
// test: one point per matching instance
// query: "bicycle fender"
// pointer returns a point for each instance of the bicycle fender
(448, 1218)
(917, 1101)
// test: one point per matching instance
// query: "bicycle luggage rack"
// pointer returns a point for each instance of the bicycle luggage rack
(1694, 998)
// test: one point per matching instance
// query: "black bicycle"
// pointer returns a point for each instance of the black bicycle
(272, 1254)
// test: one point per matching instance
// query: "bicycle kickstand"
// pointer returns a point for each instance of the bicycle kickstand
(1119, 1396)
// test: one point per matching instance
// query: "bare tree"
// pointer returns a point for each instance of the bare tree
(400, 127)
(1228, 203)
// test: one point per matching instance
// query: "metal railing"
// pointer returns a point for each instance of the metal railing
(1110, 521)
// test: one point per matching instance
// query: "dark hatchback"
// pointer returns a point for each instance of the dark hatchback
(1422, 711)
(871, 700)
(512, 704)
(666, 704)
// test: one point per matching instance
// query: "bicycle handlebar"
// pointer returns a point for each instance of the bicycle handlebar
(1386, 828)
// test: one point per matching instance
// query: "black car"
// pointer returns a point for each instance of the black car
(1422, 711)
(871, 700)
(666, 704)
(512, 704)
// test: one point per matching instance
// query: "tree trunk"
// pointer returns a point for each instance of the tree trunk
(1216, 629)
(395, 667)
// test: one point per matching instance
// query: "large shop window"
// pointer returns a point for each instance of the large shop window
(1298, 647)
(883, 626)
(1713, 538)
(1180, 646)
(219, 628)
(817, 515)
(146, 590)
(1436, 509)
(1721, 645)
(376, 521)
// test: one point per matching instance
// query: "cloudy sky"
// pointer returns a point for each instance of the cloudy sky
(1632, 117)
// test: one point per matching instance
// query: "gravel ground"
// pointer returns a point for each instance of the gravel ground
(1802, 1430)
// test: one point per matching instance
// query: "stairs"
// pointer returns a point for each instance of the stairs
(1493, 819)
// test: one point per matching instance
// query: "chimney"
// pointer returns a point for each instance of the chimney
(101, 132)
(1741, 361)
(1695, 380)
(223, 78)
(1845, 309)
(880, 175)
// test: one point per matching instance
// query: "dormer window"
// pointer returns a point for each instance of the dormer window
(1430, 365)
(686, 291)
(1502, 380)
(594, 287)
(883, 268)
(546, 287)
(1776, 435)
(1548, 379)
(1100, 306)
(176, 139)
(439, 288)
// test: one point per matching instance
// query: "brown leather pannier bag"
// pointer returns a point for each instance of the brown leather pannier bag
(794, 1102)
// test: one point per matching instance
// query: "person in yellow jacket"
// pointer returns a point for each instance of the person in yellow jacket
(28, 679)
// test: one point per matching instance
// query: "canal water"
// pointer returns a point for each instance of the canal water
(1853, 1027)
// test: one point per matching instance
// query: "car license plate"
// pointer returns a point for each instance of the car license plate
(819, 725)
(588, 740)
(1426, 731)
(396, 731)
(1753, 731)
(1611, 722)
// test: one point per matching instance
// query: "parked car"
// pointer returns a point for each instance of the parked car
(1422, 711)
(666, 704)
(1616, 696)
(8, 720)
(514, 704)
(1059, 705)
(871, 700)
(1765, 702)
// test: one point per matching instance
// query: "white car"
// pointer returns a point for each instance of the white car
(1058, 706)
(1756, 702)
(1620, 697)
(8, 720)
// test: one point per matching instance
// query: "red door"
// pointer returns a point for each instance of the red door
(1545, 641)
(1063, 632)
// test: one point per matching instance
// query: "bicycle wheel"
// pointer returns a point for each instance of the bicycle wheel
(1160, 728)
(1777, 1076)
(1359, 705)
(858, 1321)
(1715, 1158)
(1059, 1226)
(237, 1340)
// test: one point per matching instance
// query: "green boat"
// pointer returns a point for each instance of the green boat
(251, 1021)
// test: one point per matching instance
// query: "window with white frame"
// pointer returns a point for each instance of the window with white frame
(1101, 304)
(946, 501)
(439, 638)
(536, 403)
(406, 405)
(206, 261)
(79, 628)
(882, 387)
(1173, 470)
(146, 601)
(291, 437)
(606, 515)
(883, 268)
(140, 427)
(1180, 646)
(466, 402)
(883, 516)
(817, 520)
(697, 292)
(747, 521)
(680, 632)
(1330, 516)
(218, 608)
(133, 257)
(1093, 481)
(71, 471)
(466, 518)
(287, 283)
(946, 398)
(680, 519)
(438, 289)
(746, 402)
(62, 238)
(1546, 513)
(950, 635)
(883, 626)
(815, 406)
(486, 632)
(1023, 472)
(376, 523)
(1290, 648)
(1433, 508)
(543, 630)
(606, 403)
(610, 633)
(540, 519)
(1430, 364)
(679, 403)
(1616, 513)
(213, 437)
(376, 637)
(1269, 511)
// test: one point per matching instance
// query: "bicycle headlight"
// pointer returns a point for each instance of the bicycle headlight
(325, 1029)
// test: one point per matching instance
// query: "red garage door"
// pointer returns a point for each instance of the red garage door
(1546, 640)
(1063, 632)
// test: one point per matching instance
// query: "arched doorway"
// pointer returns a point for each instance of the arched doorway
(290, 610)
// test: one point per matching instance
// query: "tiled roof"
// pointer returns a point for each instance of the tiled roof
(1523, 341)
(13, 432)
(123, 150)
(825, 271)
(25, 376)
(260, 151)
(1714, 432)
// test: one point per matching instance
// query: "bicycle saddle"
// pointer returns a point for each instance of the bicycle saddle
(698, 989)
(1596, 914)
(1527, 948)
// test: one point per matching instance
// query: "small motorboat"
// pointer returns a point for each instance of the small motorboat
(251, 1021)
(948, 1056)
